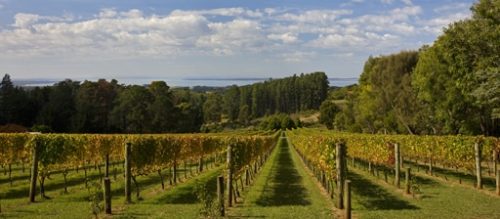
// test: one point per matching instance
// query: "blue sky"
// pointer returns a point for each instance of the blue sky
(217, 38)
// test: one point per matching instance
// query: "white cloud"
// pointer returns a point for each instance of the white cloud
(134, 13)
(107, 13)
(436, 25)
(228, 12)
(453, 7)
(338, 40)
(236, 35)
(22, 20)
(314, 16)
(285, 38)
(297, 56)
(222, 31)
(408, 2)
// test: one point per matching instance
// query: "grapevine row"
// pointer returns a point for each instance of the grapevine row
(453, 151)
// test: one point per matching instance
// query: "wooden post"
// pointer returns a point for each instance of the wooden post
(348, 199)
(170, 175)
(107, 195)
(175, 171)
(495, 169)
(340, 149)
(332, 189)
(407, 180)
(85, 174)
(323, 178)
(498, 182)
(106, 169)
(220, 195)
(190, 168)
(128, 173)
(10, 174)
(495, 161)
(430, 166)
(242, 185)
(385, 175)
(397, 164)
(234, 195)
(477, 150)
(200, 164)
(401, 161)
(229, 176)
(34, 173)
(185, 170)
(65, 174)
(247, 177)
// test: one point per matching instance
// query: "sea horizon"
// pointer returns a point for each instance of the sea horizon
(175, 82)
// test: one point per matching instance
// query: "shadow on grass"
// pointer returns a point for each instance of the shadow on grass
(466, 177)
(186, 193)
(284, 185)
(23, 191)
(129, 215)
(16, 178)
(373, 196)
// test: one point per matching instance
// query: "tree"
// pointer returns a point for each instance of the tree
(287, 122)
(130, 113)
(286, 95)
(231, 102)
(162, 110)
(298, 123)
(467, 56)
(189, 106)
(6, 90)
(14, 103)
(244, 115)
(385, 101)
(190, 118)
(212, 108)
(93, 103)
(328, 110)
(59, 111)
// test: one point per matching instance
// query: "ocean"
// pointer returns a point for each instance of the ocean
(179, 82)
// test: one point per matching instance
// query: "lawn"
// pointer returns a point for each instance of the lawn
(284, 189)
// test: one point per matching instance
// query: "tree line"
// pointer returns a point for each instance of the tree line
(109, 107)
(101, 107)
(451, 87)
(286, 95)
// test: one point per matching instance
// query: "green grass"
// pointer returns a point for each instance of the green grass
(458, 176)
(373, 198)
(284, 190)
(178, 201)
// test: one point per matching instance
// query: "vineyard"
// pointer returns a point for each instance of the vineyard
(43, 156)
(223, 172)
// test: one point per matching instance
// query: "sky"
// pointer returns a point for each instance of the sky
(60, 39)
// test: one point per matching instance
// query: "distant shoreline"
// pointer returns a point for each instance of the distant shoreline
(178, 82)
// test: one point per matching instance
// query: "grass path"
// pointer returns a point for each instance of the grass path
(284, 189)
(179, 202)
(373, 198)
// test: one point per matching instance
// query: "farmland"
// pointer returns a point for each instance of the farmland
(274, 175)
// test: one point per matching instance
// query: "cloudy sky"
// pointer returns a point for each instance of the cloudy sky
(215, 38)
